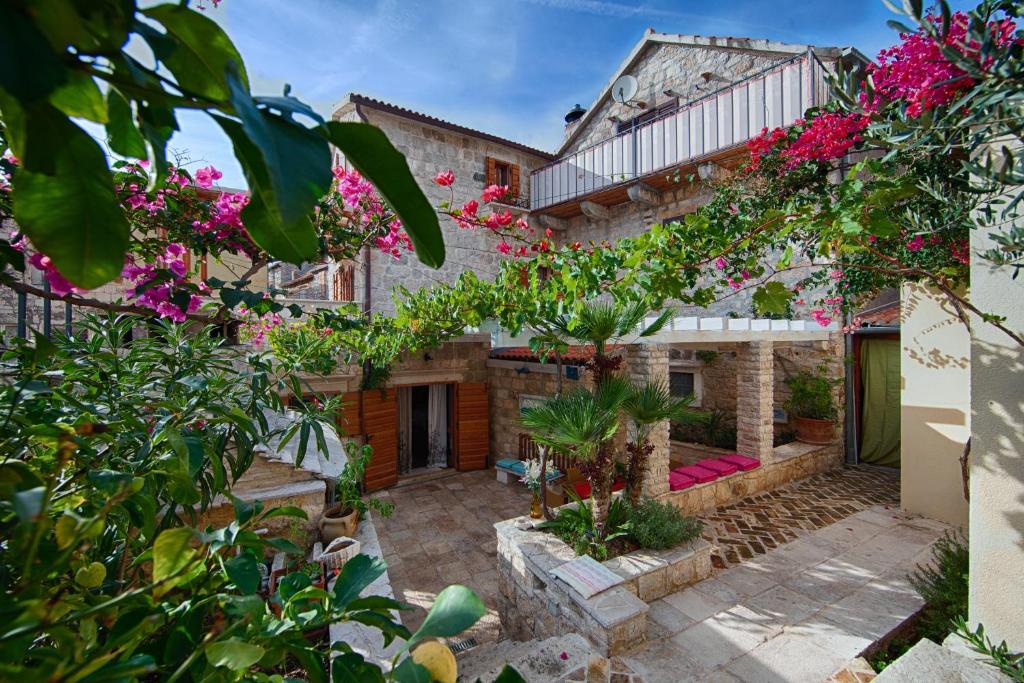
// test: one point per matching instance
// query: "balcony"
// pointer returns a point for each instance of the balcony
(715, 127)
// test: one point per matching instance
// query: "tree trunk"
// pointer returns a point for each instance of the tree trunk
(543, 451)
(636, 469)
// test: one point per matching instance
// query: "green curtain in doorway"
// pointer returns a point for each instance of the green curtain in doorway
(880, 417)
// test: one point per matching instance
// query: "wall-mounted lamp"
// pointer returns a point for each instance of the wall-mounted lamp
(671, 93)
(427, 357)
(523, 370)
(615, 119)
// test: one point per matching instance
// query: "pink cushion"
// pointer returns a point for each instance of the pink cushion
(716, 465)
(742, 461)
(701, 474)
(678, 481)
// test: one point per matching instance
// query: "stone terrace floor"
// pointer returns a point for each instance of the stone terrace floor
(754, 525)
(442, 533)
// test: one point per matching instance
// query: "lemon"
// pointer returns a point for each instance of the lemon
(435, 657)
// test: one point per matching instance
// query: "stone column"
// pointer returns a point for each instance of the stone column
(755, 398)
(649, 363)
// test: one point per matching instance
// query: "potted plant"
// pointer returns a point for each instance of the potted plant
(811, 406)
(342, 518)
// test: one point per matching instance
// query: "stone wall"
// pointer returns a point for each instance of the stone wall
(428, 150)
(505, 387)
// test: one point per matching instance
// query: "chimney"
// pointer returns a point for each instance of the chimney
(572, 119)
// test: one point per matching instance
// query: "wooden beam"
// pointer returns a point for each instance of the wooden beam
(642, 193)
(596, 211)
(557, 224)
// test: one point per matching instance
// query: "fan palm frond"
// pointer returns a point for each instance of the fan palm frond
(574, 423)
(650, 403)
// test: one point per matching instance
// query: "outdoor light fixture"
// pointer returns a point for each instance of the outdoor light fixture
(523, 370)
(671, 93)
(427, 357)
(614, 119)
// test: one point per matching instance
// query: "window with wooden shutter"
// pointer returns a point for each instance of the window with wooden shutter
(503, 173)
(380, 425)
(344, 283)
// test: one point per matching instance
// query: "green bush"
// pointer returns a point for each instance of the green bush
(943, 586)
(810, 395)
(574, 525)
(656, 526)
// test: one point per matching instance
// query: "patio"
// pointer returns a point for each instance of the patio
(442, 533)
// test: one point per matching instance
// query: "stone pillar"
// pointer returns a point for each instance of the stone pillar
(649, 363)
(755, 399)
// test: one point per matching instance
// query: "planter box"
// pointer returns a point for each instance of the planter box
(536, 604)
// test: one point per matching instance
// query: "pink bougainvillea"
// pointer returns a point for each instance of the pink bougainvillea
(206, 177)
(826, 137)
(59, 285)
(917, 73)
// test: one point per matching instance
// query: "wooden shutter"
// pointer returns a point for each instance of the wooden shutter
(492, 171)
(380, 425)
(348, 419)
(513, 175)
(472, 438)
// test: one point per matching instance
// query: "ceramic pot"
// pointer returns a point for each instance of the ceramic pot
(336, 522)
(817, 432)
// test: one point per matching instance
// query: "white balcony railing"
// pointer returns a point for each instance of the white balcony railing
(731, 116)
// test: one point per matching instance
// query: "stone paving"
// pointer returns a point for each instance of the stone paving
(797, 613)
(442, 532)
(765, 521)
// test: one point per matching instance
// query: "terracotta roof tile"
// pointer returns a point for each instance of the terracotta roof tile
(882, 316)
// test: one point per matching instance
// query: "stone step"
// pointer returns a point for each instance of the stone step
(927, 661)
(537, 661)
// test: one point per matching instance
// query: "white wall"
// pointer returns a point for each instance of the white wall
(997, 454)
(935, 403)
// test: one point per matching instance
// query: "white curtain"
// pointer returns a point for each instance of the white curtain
(437, 420)
(404, 398)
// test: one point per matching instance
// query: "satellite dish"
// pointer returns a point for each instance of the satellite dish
(624, 89)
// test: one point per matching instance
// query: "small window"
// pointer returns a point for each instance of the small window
(503, 174)
(681, 383)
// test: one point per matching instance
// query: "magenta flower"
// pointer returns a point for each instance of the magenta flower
(205, 177)
(915, 244)
(445, 178)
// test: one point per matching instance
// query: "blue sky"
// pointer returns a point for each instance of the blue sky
(512, 68)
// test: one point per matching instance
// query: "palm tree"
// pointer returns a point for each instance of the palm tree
(646, 406)
(580, 424)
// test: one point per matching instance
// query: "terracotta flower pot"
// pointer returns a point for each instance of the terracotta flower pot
(817, 432)
(336, 522)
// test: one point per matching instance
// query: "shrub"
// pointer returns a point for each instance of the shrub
(943, 586)
(574, 525)
(656, 526)
(810, 396)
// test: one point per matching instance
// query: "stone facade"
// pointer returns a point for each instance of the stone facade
(755, 400)
(429, 149)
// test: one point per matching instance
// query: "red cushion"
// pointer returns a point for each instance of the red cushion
(716, 465)
(702, 475)
(742, 461)
(678, 481)
(583, 488)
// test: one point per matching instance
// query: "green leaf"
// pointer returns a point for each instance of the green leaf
(199, 52)
(73, 216)
(286, 511)
(772, 297)
(455, 609)
(280, 164)
(244, 573)
(409, 671)
(233, 654)
(172, 551)
(285, 546)
(29, 503)
(133, 668)
(292, 584)
(372, 154)
(509, 675)
(80, 97)
(91, 575)
(64, 530)
(356, 575)
(29, 68)
(350, 667)
(122, 135)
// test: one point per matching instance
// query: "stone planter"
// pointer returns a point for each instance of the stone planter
(817, 432)
(534, 603)
(336, 522)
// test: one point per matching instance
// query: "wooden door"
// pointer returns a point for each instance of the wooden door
(472, 422)
(380, 425)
